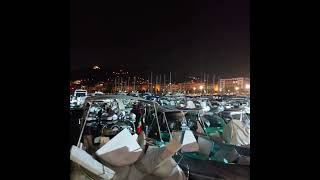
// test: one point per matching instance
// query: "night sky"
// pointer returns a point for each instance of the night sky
(191, 37)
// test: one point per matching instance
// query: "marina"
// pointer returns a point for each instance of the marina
(159, 91)
(213, 131)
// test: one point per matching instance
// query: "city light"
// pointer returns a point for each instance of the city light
(96, 67)
(77, 82)
(194, 88)
(236, 88)
(247, 86)
(201, 87)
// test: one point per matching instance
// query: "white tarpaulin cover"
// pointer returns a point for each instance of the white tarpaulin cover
(236, 133)
(125, 162)
(121, 150)
(176, 173)
(189, 143)
(88, 162)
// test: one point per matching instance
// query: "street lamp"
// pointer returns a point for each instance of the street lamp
(247, 87)
(96, 67)
(237, 89)
(194, 90)
(201, 87)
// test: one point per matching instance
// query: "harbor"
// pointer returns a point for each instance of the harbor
(159, 91)
(210, 130)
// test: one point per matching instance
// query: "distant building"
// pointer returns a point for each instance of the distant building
(193, 87)
(234, 85)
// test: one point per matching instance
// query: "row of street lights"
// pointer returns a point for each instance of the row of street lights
(247, 87)
(200, 87)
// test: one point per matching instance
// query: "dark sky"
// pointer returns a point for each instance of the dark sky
(200, 36)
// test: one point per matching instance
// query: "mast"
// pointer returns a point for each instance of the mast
(218, 79)
(213, 82)
(151, 82)
(164, 82)
(128, 84)
(207, 83)
(155, 88)
(170, 83)
(134, 83)
(160, 82)
(121, 83)
(148, 80)
(115, 84)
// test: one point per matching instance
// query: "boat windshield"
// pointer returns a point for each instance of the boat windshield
(236, 116)
(80, 94)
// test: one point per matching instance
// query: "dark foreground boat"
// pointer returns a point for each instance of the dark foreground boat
(215, 160)
(213, 170)
(232, 164)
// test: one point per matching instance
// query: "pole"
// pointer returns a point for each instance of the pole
(128, 83)
(121, 83)
(170, 83)
(84, 125)
(151, 82)
(156, 116)
(160, 83)
(155, 88)
(164, 82)
(207, 82)
(213, 82)
(134, 83)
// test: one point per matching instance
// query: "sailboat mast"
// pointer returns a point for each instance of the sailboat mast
(213, 82)
(115, 84)
(134, 83)
(165, 87)
(207, 83)
(151, 82)
(170, 83)
(155, 88)
(160, 82)
(121, 83)
(128, 84)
